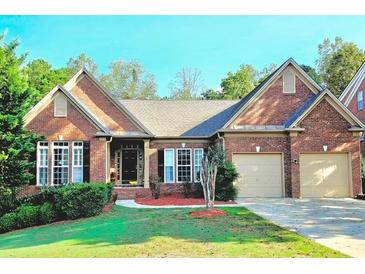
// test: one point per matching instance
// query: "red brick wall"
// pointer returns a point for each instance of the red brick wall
(237, 144)
(324, 125)
(74, 127)
(100, 105)
(274, 107)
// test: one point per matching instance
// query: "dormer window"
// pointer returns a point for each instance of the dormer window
(360, 100)
(288, 81)
(60, 106)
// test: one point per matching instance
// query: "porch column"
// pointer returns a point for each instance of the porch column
(146, 163)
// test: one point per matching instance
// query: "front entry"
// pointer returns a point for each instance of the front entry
(129, 165)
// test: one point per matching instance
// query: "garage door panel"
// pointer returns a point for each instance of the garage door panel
(260, 175)
(324, 175)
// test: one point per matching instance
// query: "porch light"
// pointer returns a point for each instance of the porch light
(183, 145)
(60, 137)
(325, 147)
(258, 148)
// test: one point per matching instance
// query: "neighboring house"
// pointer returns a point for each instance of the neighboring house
(288, 138)
(353, 98)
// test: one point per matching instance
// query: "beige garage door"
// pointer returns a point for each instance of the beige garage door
(324, 175)
(260, 175)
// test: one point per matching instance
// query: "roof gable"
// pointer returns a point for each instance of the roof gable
(114, 103)
(70, 98)
(311, 104)
(250, 99)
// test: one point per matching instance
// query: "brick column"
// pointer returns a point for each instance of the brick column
(146, 163)
(295, 170)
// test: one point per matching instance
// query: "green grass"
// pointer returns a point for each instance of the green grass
(126, 232)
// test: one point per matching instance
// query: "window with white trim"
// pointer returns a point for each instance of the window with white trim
(60, 163)
(77, 162)
(60, 106)
(360, 100)
(169, 165)
(198, 157)
(183, 161)
(42, 163)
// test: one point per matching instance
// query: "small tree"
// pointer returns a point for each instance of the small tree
(209, 167)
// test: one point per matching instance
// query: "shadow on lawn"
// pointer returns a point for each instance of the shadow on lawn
(132, 226)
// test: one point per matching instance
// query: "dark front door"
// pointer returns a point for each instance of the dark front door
(129, 165)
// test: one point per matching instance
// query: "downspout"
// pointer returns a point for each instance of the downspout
(106, 158)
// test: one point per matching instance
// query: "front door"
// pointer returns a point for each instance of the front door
(129, 165)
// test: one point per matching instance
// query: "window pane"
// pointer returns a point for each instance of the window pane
(184, 165)
(77, 176)
(169, 171)
(198, 156)
(169, 157)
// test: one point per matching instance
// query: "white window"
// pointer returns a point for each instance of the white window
(60, 163)
(360, 100)
(77, 162)
(198, 156)
(288, 81)
(42, 163)
(60, 106)
(169, 165)
(183, 160)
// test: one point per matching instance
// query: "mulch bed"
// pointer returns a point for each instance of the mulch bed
(175, 200)
(208, 213)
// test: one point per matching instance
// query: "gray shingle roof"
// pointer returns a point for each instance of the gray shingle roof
(182, 118)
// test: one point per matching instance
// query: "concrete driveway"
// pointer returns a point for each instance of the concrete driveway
(335, 223)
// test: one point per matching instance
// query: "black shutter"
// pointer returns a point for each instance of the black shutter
(160, 160)
(86, 162)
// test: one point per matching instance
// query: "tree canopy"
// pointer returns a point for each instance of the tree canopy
(338, 62)
(129, 80)
(82, 61)
(188, 84)
(16, 144)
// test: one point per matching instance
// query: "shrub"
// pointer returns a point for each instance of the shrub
(8, 222)
(46, 195)
(192, 190)
(226, 175)
(27, 215)
(47, 213)
(155, 186)
(187, 189)
(82, 200)
(7, 202)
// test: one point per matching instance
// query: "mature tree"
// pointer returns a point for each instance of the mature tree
(265, 72)
(83, 61)
(338, 63)
(212, 94)
(238, 84)
(312, 73)
(188, 84)
(16, 144)
(42, 78)
(129, 80)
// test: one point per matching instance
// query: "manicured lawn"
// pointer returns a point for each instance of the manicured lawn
(126, 232)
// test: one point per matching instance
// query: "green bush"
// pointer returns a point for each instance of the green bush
(47, 213)
(46, 195)
(82, 200)
(224, 188)
(7, 202)
(27, 215)
(8, 222)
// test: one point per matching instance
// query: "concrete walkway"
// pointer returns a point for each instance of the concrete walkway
(335, 223)
(133, 204)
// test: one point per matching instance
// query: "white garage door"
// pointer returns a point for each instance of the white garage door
(324, 175)
(260, 175)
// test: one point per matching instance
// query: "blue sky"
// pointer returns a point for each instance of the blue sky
(165, 44)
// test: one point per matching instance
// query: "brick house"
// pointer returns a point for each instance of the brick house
(288, 138)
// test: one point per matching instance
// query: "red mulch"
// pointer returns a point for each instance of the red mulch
(208, 213)
(176, 200)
